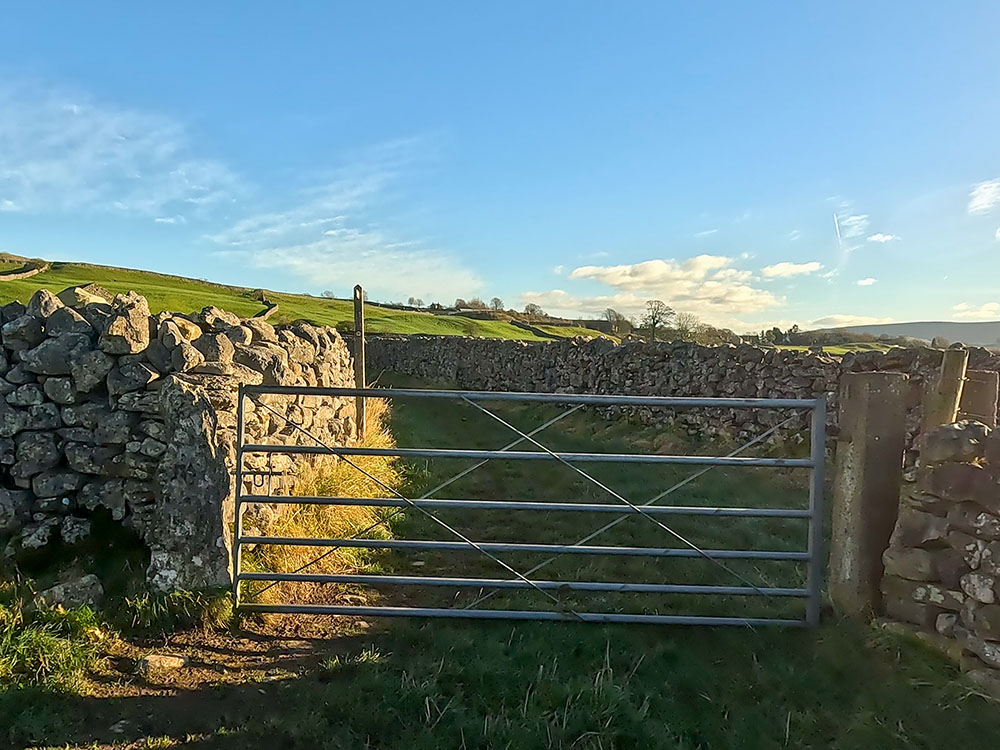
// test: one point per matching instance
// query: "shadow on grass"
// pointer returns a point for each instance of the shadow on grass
(434, 685)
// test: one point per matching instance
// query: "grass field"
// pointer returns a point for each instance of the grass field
(189, 295)
(841, 349)
(438, 684)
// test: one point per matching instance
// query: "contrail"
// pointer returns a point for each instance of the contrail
(836, 225)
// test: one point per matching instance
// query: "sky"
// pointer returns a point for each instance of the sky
(803, 163)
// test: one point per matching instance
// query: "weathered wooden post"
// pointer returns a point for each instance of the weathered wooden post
(869, 469)
(979, 396)
(359, 357)
(943, 398)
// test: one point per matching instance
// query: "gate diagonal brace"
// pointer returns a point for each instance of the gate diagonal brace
(638, 509)
(652, 501)
(425, 496)
(433, 517)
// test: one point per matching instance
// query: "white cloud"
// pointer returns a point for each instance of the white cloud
(866, 282)
(984, 197)
(63, 151)
(843, 321)
(997, 235)
(170, 220)
(558, 270)
(883, 238)
(706, 233)
(705, 285)
(986, 311)
(327, 237)
(794, 235)
(785, 269)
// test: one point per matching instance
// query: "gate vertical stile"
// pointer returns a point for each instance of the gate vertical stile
(817, 452)
(238, 500)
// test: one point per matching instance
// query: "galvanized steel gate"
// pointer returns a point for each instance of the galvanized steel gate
(651, 510)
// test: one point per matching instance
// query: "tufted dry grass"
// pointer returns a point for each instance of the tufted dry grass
(329, 477)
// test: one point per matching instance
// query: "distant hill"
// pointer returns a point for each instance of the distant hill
(973, 334)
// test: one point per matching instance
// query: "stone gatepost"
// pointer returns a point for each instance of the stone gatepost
(866, 486)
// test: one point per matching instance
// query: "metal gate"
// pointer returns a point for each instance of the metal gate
(622, 508)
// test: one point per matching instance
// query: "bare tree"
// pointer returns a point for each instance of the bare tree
(328, 294)
(688, 326)
(658, 315)
(619, 323)
(477, 304)
(496, 304)
(460, 303)
(535, 310)
(415, 302)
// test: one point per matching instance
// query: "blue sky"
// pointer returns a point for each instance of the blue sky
(578, 155)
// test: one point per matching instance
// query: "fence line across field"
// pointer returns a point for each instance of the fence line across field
(426, 506)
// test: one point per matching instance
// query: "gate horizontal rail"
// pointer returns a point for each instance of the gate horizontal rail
(517, 614)
(633, 458)
(562, 549)
(812, 556)
(506, 583)
(664, 510)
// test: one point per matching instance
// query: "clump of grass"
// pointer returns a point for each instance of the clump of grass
(178, 609)
(330, 477)
(39, 646)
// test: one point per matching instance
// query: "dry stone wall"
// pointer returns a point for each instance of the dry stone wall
(106, 409)
(942, 567)
(676, 369)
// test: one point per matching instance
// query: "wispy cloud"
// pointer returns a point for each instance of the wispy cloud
(705, 233)
(794, 235)
(852, 225)
(985, 311)
(984, 197)
(62, 151)
(866, 282)
(883, 238)
(786, 270)
(328, 237)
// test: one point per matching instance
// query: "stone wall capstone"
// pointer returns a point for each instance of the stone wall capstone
(108, 409)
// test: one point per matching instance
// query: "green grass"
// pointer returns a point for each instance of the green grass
(42, 647)
(179, 294)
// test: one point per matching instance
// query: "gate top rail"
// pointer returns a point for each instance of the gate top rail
(552, 398)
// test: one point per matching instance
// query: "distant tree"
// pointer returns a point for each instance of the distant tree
(658, 315)
(688, 326)
(619, 323)
(461, 304)
(534, 310)
(328, 294)
(477, 304)
(496, 304)
(415, 302)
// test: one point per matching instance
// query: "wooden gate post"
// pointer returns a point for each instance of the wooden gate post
(359, 357)
(941, 404)
(869, 470)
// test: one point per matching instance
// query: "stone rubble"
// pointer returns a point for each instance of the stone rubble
(107, 408)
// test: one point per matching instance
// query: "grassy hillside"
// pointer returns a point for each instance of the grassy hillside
(188, 295)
